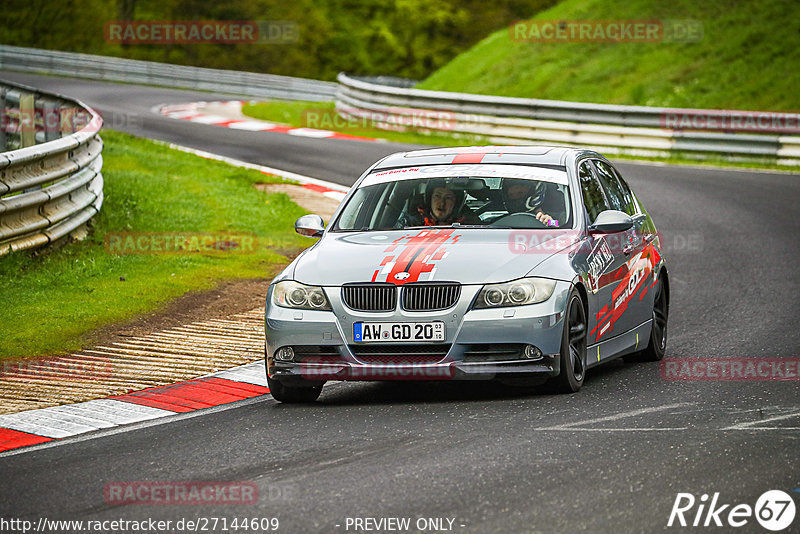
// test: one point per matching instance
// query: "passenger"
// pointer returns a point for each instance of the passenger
(442, 206)
(526, 196)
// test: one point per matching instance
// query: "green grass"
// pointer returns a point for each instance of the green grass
(53, 300)
(322, 115)
(747, 59)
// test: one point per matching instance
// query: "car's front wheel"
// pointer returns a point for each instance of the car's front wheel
(292, 394)
(573, 346)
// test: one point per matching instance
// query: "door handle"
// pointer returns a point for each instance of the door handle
(628, 249)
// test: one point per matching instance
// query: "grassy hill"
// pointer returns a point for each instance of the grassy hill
(748, 58)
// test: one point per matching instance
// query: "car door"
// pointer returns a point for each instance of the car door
(601, 263)
(650, 249)
(629, 308)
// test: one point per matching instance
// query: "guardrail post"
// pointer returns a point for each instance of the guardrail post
(27, 122)
(4, 119)
(51, 117)
(27, 126)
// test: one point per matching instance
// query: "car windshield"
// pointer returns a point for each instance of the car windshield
(499, 197)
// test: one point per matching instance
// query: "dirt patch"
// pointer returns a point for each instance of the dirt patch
(305, 198)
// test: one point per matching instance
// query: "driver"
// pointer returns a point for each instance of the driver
(526, 196)
(442, 206)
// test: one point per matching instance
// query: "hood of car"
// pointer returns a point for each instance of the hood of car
(465, 255)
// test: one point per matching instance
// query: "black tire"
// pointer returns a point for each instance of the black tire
(573, 347)
(292, 394)
(657, 344)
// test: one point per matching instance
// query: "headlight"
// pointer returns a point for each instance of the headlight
(290, 294)
(516, 293)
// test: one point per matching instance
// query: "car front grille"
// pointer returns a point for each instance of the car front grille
(429, 297)
(400, 354)
(369, 297)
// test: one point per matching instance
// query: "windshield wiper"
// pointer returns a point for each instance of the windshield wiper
(362, 229)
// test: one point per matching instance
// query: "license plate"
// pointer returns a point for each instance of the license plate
(371, 332)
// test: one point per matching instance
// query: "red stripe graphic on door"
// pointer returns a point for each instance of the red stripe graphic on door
(636, 272)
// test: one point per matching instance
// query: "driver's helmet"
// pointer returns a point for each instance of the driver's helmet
(529, 201)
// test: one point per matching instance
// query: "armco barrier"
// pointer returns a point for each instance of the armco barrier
(178, 76)
(615, 129)
(392, 102)
(51, 189)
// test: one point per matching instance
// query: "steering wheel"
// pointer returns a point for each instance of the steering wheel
(520, 220)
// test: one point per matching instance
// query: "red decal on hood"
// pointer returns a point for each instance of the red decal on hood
(416, 256)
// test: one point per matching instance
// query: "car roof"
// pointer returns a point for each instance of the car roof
(526, 155)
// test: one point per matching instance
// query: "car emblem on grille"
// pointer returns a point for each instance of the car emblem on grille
(401, 276)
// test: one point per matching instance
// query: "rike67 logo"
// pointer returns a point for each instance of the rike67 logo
(774, 510)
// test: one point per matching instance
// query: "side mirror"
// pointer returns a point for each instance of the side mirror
(610, 221)
(309, 226)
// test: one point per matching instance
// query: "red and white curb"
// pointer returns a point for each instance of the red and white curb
(196, 112)
(329, 189)
(33, 427)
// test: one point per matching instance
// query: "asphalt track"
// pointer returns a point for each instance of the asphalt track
(611, 458)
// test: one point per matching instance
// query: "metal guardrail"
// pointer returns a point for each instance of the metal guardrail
(615, 129)
(178, 76)
(52, 189)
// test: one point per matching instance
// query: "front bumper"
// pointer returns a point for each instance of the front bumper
(547, 365)
(479, 344)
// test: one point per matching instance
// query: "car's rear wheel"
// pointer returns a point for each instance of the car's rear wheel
(292, 394)
(657, 344)
(573, 346)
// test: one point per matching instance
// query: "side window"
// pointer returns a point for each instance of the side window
(347, 220)
(619, 198)
(630, 199)
(592, 192)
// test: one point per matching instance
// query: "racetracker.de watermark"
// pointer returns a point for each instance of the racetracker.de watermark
(58, 368)
(63, 120)
(730, 121)
(180, 493)
(399, 368)
(344, 119)
(607, 31)
(141, 32)
(549, 241)
(147, 243)
(730, 369)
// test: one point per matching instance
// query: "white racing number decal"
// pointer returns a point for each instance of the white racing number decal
(599, 260)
